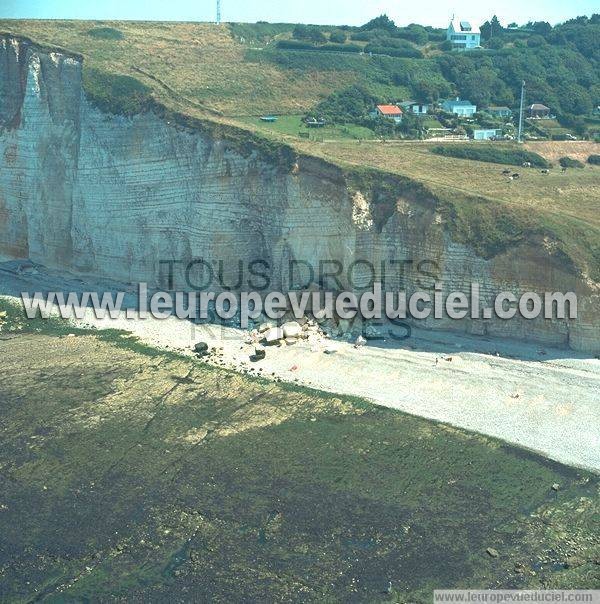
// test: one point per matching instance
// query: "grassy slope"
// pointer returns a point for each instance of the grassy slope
(565, 204)
(205, 72)
(201, 62)
(140, 474)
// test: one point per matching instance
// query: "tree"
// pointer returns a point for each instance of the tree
(575, 99)
(345, 106)
(543, 28)
(415, 33)
(338, 37)
(381, 22)
(309, 32)
(535, 41)
(491, 28)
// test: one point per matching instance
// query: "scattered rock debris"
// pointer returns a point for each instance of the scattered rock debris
(360, 341)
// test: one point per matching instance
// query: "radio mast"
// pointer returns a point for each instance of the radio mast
(218, 12)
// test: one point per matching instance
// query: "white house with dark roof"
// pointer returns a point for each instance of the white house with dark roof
(463, 35)
(459, 107)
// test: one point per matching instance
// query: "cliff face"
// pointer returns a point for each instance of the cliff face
(117, 197)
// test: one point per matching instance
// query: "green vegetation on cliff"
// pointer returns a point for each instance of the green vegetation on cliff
(115, 93)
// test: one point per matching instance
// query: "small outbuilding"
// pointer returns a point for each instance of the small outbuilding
(486, 134)
(415, 107)
(537, 110)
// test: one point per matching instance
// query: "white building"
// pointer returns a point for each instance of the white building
(463, 35)
(416, 107)
(460, 108)
(487, 134)
(392, 112)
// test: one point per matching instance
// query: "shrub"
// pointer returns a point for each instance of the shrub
(436, 36)
(381, 22)
(338, 37)
(415, 33)
(535, 41)
(393, 42)
(569, 162)
(406, 52)
(297, 45)
(105, 33)
(493, 154)
(309, 32)
(345, 106)
(340, 47)
(369, 36)
(260, 31)
(594, 160)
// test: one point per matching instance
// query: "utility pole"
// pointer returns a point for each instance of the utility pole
(520, 137)
(218, 12)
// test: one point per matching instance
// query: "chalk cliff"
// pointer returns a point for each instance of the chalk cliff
(113, 196)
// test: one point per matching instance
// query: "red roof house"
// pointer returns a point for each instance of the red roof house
(390, 111)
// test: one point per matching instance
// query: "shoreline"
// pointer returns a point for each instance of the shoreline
(538, 398)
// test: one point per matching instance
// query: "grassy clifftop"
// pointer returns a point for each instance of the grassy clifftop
(200, 75)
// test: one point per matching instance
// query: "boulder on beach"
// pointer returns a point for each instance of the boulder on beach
(273, 335)
(292, 329)
(201, 348)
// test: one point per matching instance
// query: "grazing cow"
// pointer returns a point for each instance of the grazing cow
(506, 172)
(527, 164)
(515, 175)
(545, 171)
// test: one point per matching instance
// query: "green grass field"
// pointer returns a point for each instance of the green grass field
(293, 126)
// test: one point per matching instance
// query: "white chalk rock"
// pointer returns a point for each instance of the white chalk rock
(274, 334)
(360, 341)
(292, 329)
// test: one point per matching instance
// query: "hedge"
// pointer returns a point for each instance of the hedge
(407, 52)
(297, 45)
(493, 154)
(569, 162)
(594, 160)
